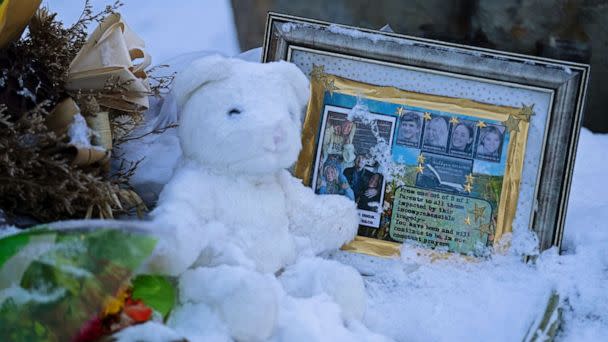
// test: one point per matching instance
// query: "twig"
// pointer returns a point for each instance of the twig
(155, 131)
(87, 16)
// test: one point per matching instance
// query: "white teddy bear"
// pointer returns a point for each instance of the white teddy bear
(239, 217)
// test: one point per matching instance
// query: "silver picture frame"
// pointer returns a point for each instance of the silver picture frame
(551, 91)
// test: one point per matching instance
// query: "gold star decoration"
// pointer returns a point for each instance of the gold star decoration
(331, 87)
(318, 72)
(400, 111)
(478, 212)
(427, 116)
(467, 221)
(526, 112)
(512, 124)
(468, 188)
(470, 178)
(454, 120)
(481, 124)
(420, 168)
(421, 159)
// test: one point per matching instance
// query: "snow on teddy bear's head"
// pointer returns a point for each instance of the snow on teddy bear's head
(241, 117)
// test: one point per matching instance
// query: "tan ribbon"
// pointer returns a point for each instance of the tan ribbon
(85, 156)
(62, 116)
(100, 124)
(107, 60)
(59, 121)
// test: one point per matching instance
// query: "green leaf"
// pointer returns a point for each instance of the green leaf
(11, 245)
(39, 329)
(156, 292)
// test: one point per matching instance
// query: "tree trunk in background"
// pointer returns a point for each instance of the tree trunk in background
(574, 30)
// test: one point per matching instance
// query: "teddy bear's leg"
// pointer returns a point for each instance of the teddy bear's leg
(246, 301)
(314, 276)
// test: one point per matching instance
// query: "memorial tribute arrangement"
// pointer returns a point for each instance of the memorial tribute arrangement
(429, 149)
(442, 146)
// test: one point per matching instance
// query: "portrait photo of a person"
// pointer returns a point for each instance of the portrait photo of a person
(334, 183)
(357, 175)
(436, 133)
(369, 197)
(463, 135)
(336, 136)
(489, 146)
(409, 129)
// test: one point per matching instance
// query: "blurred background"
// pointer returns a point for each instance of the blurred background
(575, 30)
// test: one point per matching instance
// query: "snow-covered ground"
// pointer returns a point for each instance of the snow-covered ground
(496, 300)
(411, 299)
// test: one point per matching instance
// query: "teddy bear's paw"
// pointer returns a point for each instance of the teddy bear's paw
(341, 211)
(337, 225)
(314, 276)
(237, 295)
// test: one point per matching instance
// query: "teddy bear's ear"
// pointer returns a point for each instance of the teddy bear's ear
(197, 74)
(297, 80)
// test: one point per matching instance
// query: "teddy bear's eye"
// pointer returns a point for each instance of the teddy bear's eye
(234, 111)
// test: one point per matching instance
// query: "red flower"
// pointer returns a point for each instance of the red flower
(137, 310)
(91, 331)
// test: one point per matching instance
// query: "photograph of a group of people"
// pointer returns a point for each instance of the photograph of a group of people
(458, 138)
(343, 163)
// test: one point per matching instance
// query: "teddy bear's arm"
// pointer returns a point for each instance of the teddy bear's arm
(184, 216)
(328, 221)
(187, 198)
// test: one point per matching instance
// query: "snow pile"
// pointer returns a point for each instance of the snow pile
(581, 272)
(451, 300)
(79, 132)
